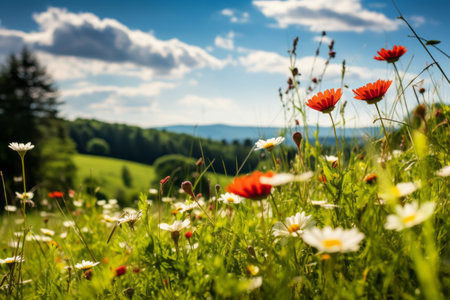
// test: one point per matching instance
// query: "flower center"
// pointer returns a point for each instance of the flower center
(408, 219)
(332, 243)
(395, 191)
(293, 228)
(269, 146)
(230, 200)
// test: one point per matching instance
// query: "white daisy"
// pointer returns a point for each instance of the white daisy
(268, 144)
(12, 260)
(331, 158)
(293, 226)
(153, 191)
(323, 203)
(333, 240)
(27, 196)
(284, 178)
(11, 208)
(86, 265)
(230, 198)
(130, 218)
(409, 215)
(444, 172)
(47, 232)
(177, 226)
(68, 223)
(400, 190)
(21, 148)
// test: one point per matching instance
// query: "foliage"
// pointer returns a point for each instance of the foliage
(28, 113)
(97, 146)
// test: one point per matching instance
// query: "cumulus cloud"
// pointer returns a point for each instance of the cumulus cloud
(151, 89)
(214, 102)
(257, 61)
(225, 42)
(236, 17)
(329, 15)
(417, 20)
(84, 35)
(325, 39)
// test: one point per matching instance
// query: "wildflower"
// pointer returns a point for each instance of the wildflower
(12, 260)
(444, 172)
(252, 269)
(11, 208)
(322, 178)
(373, 92)
(56, 194)
(121, 270)
(230, 198)
(409, 215)
(130, 218)
(333, 240)
(25, 196)
(331, 158)
(188, 234)
(101, 202)
(86, 265)
(323, 204)
(297, 137)
(153, 191)
(400, 190)
(48, 232)
(268, 144)
(293, 226)
(164, 180)
(250, 186)
(71, 193)
(21, 148)
(175, 229)
(370, 178)
(391, 56)
(325, 102)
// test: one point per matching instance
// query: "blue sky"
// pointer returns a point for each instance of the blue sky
(155, 63)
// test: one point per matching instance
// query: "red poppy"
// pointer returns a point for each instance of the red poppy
(391, 56)
(249, 186)
(188, 234)
(56, 194)
(325, 101)
(373, 92)
(121, 271)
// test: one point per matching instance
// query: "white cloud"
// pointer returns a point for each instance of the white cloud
(213, 102)
(328, 15)
(85, 36)
(417, 20)
(151, 89)
(325, 39)
(236, 17)
(225, 42)
(257, 61)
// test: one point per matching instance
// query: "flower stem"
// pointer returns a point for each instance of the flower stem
(274, 161)
(25, 195)
(337, 143)
(384, 128)
(403, 91)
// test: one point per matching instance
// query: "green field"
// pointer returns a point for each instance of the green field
(106, 172)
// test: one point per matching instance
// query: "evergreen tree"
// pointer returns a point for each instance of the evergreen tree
(28, 113)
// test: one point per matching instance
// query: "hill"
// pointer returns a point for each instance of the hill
(106, 173)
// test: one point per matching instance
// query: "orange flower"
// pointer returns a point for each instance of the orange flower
(390, 56)
(56, 194)
(373, 92)
(249, 186)
(325, 102)
(370, 178)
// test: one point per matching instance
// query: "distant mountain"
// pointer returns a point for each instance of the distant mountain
(230, 133)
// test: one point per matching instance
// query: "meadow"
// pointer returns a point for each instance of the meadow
(372, 223)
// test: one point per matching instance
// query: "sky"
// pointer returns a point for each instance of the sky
(159, 63)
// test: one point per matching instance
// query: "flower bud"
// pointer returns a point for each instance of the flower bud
(188, 234)
(187, 188)
(297, 137)
(163, 181)
(121, 270)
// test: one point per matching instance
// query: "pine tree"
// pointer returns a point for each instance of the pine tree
(28, 113)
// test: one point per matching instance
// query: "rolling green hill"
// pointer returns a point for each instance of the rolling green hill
(106, 173)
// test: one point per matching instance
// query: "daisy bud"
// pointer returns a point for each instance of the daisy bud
(163, 181)
(121, 270)
(188, 234)
(297, 137)
(187, 188)
(129, 292)
(175, 236)
(88, 274)
(251, 251)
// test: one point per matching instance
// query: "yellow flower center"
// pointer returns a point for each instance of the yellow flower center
(293, 228)
(408, 219)
(269, 146)
(395, 191)
(230, 200)
(331, 243)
